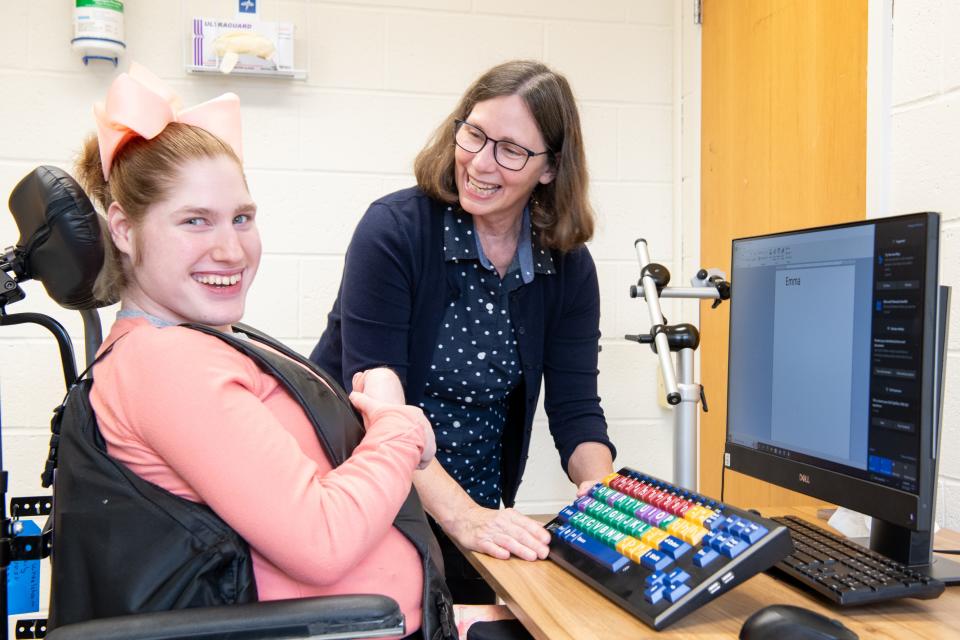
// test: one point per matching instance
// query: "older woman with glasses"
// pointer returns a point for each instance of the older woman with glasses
(475, 286)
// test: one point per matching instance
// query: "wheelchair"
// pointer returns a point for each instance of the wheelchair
(60, 246)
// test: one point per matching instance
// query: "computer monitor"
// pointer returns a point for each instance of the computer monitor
(835, 373)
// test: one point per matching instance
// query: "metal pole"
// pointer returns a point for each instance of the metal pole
(703, 293)
(685, 427)
(656, 318)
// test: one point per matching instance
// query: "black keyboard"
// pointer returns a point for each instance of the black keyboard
(845, 572)
(660, 551)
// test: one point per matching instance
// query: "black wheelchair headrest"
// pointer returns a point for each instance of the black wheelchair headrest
(60, 243)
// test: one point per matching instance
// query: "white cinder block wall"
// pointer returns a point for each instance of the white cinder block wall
(925, 176)
(380, 76)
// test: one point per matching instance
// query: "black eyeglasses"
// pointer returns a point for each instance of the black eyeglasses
(508, 155)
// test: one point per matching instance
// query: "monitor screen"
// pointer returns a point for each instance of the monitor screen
(831, 369)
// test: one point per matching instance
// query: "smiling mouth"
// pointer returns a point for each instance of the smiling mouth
(217, 280)
(482, 188)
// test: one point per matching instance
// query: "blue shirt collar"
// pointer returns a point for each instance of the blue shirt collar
(460, 242)
(154, 320)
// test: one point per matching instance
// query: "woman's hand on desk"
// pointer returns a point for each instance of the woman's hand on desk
(500, 533)
(376, 388)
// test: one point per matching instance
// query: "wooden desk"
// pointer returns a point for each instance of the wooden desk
(554, 605)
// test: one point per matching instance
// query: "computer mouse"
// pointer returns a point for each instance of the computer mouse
(786, 622)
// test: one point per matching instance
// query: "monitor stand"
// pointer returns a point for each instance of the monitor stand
(906, 546)
(912, 548)
(942, 568)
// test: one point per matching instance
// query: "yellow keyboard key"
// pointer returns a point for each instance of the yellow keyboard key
(608, 479)
(693, 512)
(696, 514)
(696, 535)
(699, 514)
(653, 537)
(677, 527)
(680, 529)
(632, 548)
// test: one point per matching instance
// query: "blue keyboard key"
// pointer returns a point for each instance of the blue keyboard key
(677, 576)
(674, 547)
(718, 540)
(571, 533)
(754, 532)
(566, 513)
(655, 561)
(705, 556)
(713, 523)
(598, 551)
(656, 577)
(654, 594)
(738, 529)
(734, 547)
(564, 532)
(677, 592)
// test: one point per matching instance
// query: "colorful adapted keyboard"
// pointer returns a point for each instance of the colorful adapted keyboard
(660, 551)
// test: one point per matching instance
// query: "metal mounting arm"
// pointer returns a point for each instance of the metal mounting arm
(683, 339)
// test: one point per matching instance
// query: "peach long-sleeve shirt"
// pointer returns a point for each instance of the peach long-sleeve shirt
(195, 416)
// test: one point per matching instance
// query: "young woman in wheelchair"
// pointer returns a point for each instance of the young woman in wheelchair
(190, 413)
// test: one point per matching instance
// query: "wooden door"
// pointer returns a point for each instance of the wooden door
(783, 146)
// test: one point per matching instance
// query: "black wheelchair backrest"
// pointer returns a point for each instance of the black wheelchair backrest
(60, 243)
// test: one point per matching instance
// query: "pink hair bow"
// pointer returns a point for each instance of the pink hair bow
(140, 104)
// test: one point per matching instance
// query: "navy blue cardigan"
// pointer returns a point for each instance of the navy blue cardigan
(391, 301)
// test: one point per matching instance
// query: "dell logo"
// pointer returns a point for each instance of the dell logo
(804, 478)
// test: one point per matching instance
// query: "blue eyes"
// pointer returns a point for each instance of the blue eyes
(239, 219)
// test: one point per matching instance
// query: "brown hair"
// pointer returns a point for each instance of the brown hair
(143, 172)
(560, 210)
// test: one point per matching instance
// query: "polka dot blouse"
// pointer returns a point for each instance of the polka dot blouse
(475, 364)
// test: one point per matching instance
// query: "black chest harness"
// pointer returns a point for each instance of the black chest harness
(124, 545)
